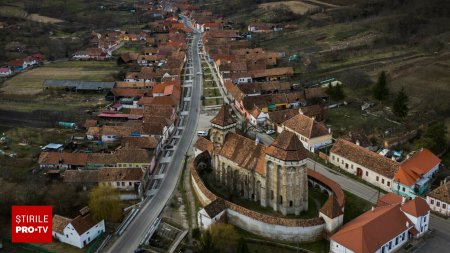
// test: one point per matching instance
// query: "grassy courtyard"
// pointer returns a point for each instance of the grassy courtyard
(30, 82)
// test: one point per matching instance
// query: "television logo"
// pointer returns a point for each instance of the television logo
(31, 224)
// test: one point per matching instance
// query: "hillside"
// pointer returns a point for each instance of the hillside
(408, 39)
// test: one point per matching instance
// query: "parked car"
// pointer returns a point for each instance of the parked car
(140, 251)
(270, 131)
(202, 133)
(169, 147)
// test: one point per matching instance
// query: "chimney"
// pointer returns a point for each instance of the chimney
(407, 224)
(256, 141)
(357, 143)
(373, 208)
(329, 130)
(403, 200)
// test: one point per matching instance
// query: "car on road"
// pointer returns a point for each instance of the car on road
(270, 131)
(202, 133)
(169, 147)
(199, 73)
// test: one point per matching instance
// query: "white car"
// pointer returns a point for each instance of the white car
(202, 133)
(270, 131)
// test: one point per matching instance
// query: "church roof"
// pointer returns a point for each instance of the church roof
(287, 147)
(243, 151)
(223, 118)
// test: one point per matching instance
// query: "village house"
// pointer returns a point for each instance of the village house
(385, 228)
(415, 174)
(311, 133)
(439, 199)
(79, 231)
(62, 160)
(369, 166)
(91, 54)
(5, 72)
(212, 213)
(128, 181)
(122, 158)
(264, 27)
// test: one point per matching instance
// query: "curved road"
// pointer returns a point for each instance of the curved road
(138, 228)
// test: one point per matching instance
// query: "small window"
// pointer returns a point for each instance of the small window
(378, 178)
(403, 189)
(352, 166)
(444, 205)
(117, 183)
(438, 204)
(425, 218)
(388, 183)
(338, 159)
(346, 165)
(432, 201)
(291, 203)
(281, 200)
(67, 236)
(271, 195)
(367, 173)
(129, 183)
(382, 180)
(123, 183)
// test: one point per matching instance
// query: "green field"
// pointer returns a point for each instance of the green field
(30, 82)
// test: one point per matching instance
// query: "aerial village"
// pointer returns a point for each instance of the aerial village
(204, 119)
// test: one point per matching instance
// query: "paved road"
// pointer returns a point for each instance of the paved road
(136, 231)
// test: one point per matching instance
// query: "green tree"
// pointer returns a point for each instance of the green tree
(381, 91)
(400, 106)
(206, 243)
(225, 237)
(242, 246)
(335, 92)
(104, 203)
(434, 138)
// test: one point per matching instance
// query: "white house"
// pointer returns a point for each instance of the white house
(414, 176)
(5, 72)
(311, 133)
(79, 231)
(439, 199)
(384, 229)
(369, 166)
(211, 213)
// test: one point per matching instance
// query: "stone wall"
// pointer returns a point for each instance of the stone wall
(258, 223)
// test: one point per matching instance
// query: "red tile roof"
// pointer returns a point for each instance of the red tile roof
(389, 199)
(247, 155)
(419, 164)
(364, 157)
(306, 126)
(223, 118)
(416, 207)
(287, 147)
(331, 208)
(371, 230)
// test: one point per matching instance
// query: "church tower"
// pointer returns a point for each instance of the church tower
(221, 125)
(286, 175)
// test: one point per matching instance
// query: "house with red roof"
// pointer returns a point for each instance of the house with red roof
(414, 176)
(5, 72)
(385, 228)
